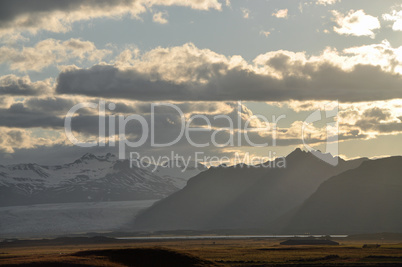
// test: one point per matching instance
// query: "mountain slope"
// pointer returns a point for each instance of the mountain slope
(240, 197)
(363, 200)
(89, 178)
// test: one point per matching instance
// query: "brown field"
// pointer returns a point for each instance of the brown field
(251, 252)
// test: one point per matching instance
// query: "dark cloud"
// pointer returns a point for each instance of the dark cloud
(36, 12)
(50, 105)
(57, 16)
(48, 113)
(22, 86)
(378, 120)
(16, 137)
(373, 125)
(110, 82)
(12, 9)
(313, 82)
(377, 114)
(20, 116)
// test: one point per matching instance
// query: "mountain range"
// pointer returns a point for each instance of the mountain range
(366, 199)
(306, 196)
(241, 197)
(90, 178)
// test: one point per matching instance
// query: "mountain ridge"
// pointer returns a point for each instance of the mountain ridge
(88, 178)
(240, 197)
(362, 200)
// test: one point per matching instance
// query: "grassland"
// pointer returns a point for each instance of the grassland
(252, 252)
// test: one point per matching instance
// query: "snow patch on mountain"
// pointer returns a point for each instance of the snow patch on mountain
(90, 178)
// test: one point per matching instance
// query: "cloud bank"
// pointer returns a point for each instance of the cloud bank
(49, 52)
(186, 73)
(58, 16)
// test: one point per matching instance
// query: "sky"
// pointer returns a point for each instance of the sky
(283, 60)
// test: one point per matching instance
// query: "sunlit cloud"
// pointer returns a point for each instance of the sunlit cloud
(396, 18)
(160, 17)
(49, 52)
(23, 86)
(59, 16)
(327, 2)
(281, 14)
(245, 12)
(265, 33)
(356, 23)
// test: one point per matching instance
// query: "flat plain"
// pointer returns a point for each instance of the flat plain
(249, 252)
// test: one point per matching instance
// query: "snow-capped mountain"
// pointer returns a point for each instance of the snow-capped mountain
(89, 178)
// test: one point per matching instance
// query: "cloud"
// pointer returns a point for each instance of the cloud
(160, 17)
(383, 55)
(281, 14)
(6, 101)
(377, 113)
(372, 118)
(19, 116)
(28, 140)
(47, 114)
(245, 12)
(22, 86)
(374, 125)
(13, 38)
(159, 75)
(396, 18)
(58, 16)
(265, 33)
(327, 2)
(357, 120)
(14, 139)
(49, 52)
(36, 120)
(356, 23)
(85, 126)
(56, 106)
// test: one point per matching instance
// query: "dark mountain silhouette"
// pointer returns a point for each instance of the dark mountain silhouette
(240, 197)
(363, 200)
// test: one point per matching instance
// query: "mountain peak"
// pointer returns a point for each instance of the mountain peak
(88, 156)
(297, 153)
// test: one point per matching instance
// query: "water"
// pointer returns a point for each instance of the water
(221, 237)
(50, 220)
